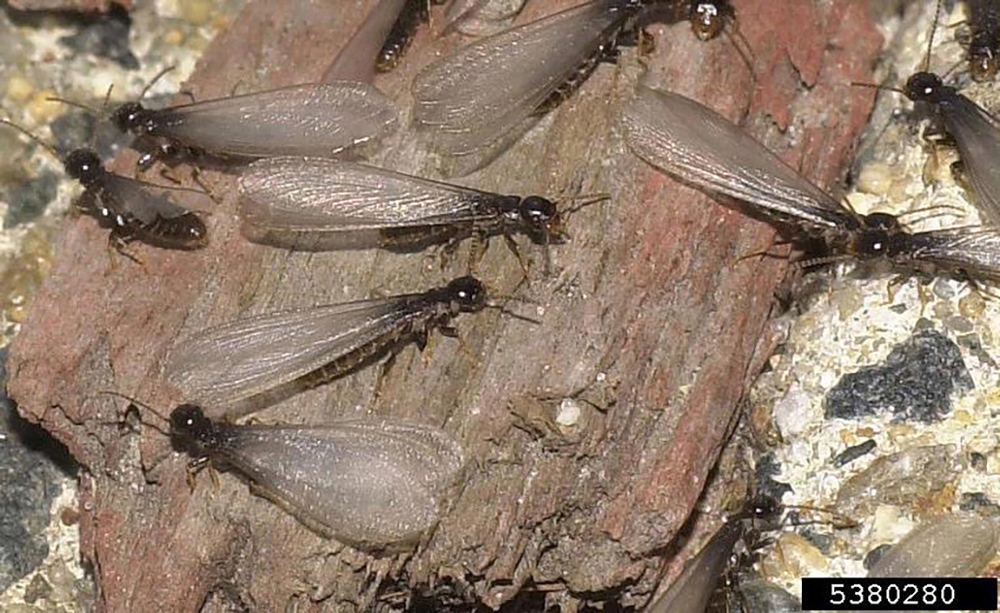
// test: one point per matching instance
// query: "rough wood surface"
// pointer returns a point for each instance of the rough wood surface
(648, 317)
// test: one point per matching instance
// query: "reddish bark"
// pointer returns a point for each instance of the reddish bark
(649, 312)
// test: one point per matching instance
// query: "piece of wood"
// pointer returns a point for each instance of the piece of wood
(649, 318)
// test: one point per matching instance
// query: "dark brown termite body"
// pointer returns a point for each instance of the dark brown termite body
(984, 43)
(128, 207)
(414, 14)
(307, 347)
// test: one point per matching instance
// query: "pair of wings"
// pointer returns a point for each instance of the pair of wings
(977, 135)
(315, 119)
(324, 195)
(701, 147)
(145, 202)
(363, 481)
(471, 99)
(244, 358)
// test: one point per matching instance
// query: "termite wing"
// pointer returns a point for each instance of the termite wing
(692, 590)
(699, 587)
(481, 17)
(311, 346)
(133, 210)
(481, 98)
(331, 197)
(701, 147)
(319, 119)
(369, 483)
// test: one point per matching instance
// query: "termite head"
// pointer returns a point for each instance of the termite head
(982, 63)
(925, 87)
(708, 17)
(541, 217)
(880, 236)
(763, 507)
(188, 421)
(130, 117)
(467, 294)
(84, 165)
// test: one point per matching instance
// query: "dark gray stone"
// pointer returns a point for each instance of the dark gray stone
(75, 129)
(763, 596)
(105, 36)
(873, 556)
(766, 485)
(853, 453)
(979, 503)
(32, 465)
(29, 200)
(915, 382)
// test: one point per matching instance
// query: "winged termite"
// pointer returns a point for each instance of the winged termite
(132, 209)
(974, 130)
(370, 483)
(482, 97)
(331, 197)
(984, 42)
(699, 588)
(312, 346)
(701, 147)
(319, 119)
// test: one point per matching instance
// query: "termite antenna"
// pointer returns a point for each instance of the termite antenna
(491, 303)
(136, 402)
(930, 40)
(746, 53)
(153, 81)
(940, 210)
(952, 69)
(588, 199)
(99, 115)
(51, 149)
(85, 107)
(878, 87)
(837, 520)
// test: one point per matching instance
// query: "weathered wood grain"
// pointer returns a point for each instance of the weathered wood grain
(648, 317)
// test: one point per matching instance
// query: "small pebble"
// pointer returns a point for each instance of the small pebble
(41, 108)
(197, 12)
(915, 382)
(853, 453)
(900, 479)
(875, 178)
(19, 89)
(569, 413)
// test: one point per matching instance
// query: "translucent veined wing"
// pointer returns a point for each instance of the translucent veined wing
(323, 195)
(474, 96)
(247, 357)
(144, 201)
(698, 145)
(973, 249)
(978, 137)
(317, 119)
(363, 481)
